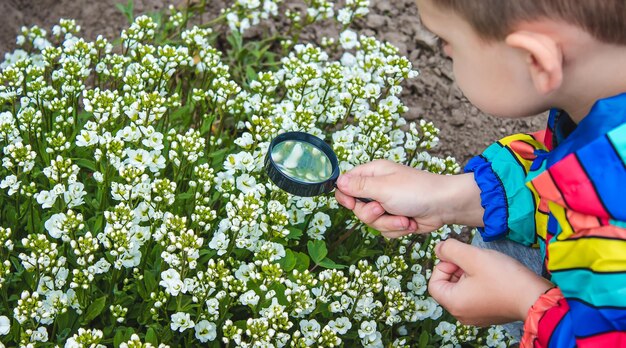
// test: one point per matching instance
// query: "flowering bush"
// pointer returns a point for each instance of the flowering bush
(134, 206)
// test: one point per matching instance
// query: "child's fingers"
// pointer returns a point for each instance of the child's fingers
(442, 281)
(345, 200)
(373, 168)
(374, 215)
(393, 226)
(459, 253)
(359, 186)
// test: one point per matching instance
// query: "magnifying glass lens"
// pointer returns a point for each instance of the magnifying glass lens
(302, 161)
(302, 164)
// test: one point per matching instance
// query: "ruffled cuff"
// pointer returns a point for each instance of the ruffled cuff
(493, 199)
(546, 301)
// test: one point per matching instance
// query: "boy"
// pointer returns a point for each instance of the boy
(563, 188)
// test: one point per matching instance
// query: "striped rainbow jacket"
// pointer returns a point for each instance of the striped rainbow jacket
(565, 189)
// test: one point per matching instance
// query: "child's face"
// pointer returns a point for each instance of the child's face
(492, 75)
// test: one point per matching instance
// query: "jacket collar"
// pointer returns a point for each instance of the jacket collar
(586, 170)
(605, 115)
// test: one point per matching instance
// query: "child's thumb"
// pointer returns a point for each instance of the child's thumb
(458, 253)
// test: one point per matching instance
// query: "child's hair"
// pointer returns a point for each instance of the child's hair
(495, 19)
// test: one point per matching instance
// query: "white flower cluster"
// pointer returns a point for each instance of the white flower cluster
(136, 202)
(244, 14)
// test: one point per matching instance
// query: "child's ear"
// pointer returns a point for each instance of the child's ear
(544, 57)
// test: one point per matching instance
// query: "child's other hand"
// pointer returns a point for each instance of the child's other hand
(408, 200)
(483, 287)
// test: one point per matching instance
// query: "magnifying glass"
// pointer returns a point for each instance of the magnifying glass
(302, 164)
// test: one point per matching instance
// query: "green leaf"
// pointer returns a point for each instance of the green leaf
(235, 40)
(303, 261)
(220, 152)
(373, 232)
(279, 288)
(289, 261)
(151, 337)
(182, 115)
(149, 280)
(184, 196)
(9, 212)
(122, 336)
(328, 263)
(423, 342)
(205, 255)
(317, 250)
(94, 309)
(98, 223)
(63, 335)
(127, 10)
(251, 74)
(85, 163)
(141, 290)
(294, 233)
(357, 254)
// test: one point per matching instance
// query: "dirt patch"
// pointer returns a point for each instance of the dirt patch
(465, 131)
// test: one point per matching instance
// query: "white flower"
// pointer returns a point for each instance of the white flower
(249, 298)
(5, 325)
(213, 306)
(246, 183)
(373, 341)
(219, 243)
(152, 139)
(245, 140)
(40, 335)
(348, 39)
(445, 330)
(310, 330)
(319, 224)
(100, 267)
(131, 258)
(54, 225)
(87, 138)
(205, 331)
(341, 325)
(335, 307)
(495, 337)
(181, 321)
(242, 273)
(129, 133)
(417, 284)
(46, 198)
(11, 182)
(120, 192)
(157, 161)
(368, 328)
(344, 16)
(74, 194)
(347, 60)
(172, 283)
(98, 177)
(425, 308)
(138, 158)
(58, 189)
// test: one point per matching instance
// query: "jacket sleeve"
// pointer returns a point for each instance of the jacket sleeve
(501, 172)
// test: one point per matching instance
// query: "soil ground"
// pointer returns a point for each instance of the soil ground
(465, 131)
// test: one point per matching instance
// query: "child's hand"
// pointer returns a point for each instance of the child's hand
(483, 287)
(408, 200)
